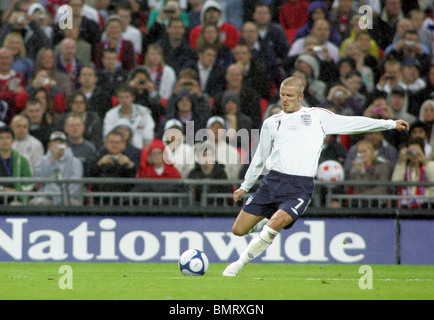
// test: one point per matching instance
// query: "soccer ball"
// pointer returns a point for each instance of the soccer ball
(193, 262)
(330, 170)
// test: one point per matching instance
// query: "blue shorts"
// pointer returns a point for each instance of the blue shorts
(279, 191)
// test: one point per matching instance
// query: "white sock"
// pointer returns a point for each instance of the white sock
(258, 245)
(259, 225)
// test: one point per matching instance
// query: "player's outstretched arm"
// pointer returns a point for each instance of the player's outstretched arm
(238, 194)
(402, 125)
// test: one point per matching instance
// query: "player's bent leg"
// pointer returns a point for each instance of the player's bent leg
(259, 244)
(244, 223)
(279, 220)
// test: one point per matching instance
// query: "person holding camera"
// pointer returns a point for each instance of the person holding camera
(59, 162)
(169, 10)
(114, 163)
(413, 166)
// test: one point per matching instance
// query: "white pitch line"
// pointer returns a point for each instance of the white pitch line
(339, 279)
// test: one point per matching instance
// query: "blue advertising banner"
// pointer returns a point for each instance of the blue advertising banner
(163, 239)
(417, 242)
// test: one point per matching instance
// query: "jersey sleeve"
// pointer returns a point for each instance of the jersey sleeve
(337, 124)
(259, 159)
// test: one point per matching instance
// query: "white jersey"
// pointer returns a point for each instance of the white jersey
(291, 143)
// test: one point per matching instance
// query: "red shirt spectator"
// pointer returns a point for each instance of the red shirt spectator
(293, 14)
(153, 165)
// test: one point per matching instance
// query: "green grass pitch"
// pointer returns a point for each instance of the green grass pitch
(153, 281)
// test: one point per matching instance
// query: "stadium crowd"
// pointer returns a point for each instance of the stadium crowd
(110, 88)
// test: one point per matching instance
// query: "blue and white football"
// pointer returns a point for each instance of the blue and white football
(193, 262)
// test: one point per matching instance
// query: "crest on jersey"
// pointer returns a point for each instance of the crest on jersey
(306, 119)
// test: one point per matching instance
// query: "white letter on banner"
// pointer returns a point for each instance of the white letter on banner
(127, 245)
(107, 240)
(346, 241)
(53, 248)
(79, 242)
(13, 245)
(173, 243)
(316, 238)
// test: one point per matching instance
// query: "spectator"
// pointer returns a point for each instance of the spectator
(225, 153)
(426, 115)
(252, 71)
(413, 166)
(188, 79)
(139, 116)
(177, 151)
(13, 164)
(130, 32)
(384, 26)
(239, 125)
(53, 102)
(249, 104)
(209, 35)
(177, 51)
(391, 77)
(162, 75)
(353, 51)
(125, 56)
(293, 14)
(269, 32)
(233, 12)
(84, 49)
(98, 100)
(59, 162)
(90, 31)
(123, 126)
(382, 149)
(419, 129)
(368, 167)
(153, 165)
(211, 74)
(206, 167)
(320, 30)
(146, 94)
(411, 77)
(81, 148)
(24, 142)
(22, 64)
(317, 10)
(12, 85)
(110, 75)
(186, 112)
(46, 60)
(428, 92)
(212, 13)
(114, 164)
(39, 126)
(311, 67)
(29, 28)
(341, 17)
(195, 8)
(170, 9)
(67, 61)
(402, 27)
(400, 104)
(261, 52)
(409, 47)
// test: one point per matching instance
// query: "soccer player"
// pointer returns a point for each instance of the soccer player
(290, 145)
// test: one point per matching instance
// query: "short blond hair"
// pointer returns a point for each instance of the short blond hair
(293, 82)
